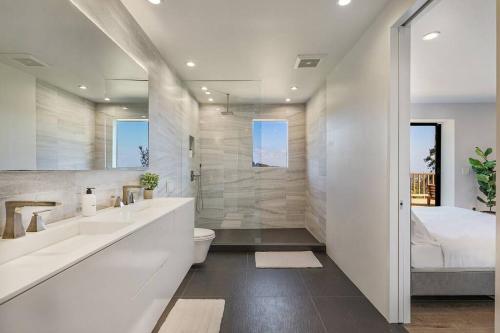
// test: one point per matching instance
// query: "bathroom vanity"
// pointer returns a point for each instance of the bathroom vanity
(112, 272)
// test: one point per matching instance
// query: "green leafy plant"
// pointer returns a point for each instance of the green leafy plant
(150, 180)
(144, 156)
(430, 160)
(486, 176)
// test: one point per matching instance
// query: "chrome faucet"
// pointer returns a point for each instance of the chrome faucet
(128, 196)
(13, 220)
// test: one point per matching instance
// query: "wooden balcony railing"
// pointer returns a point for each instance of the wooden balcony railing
(419, 182)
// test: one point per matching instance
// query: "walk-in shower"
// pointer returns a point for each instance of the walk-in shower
(249, 203)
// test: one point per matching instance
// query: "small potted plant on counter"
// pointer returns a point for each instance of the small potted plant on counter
(149, 181)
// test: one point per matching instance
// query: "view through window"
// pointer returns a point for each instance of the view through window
(270, 143)
(425, 144)
(130, 147)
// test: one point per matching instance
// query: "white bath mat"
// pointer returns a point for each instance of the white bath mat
(305, 259)
(194, 316)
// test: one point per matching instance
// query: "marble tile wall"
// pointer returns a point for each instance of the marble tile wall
(173, 117)
(315, 215)
(235, 194)
(65, 131)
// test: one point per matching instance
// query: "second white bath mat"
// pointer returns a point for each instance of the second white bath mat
(303, 259)
(194, 316)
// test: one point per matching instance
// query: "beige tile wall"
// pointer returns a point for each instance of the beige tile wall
(65, 129)
(173, 117)
(316, 164)
(236, 195)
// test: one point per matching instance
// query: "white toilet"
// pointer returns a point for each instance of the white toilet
(202, 240)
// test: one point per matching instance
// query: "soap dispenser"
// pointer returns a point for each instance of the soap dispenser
(89, 207)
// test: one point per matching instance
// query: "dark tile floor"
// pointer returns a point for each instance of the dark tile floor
(281, 300)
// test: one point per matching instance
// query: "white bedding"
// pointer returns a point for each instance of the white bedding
(466, 237)
(426, 256)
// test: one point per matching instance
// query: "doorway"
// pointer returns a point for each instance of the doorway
(447, 104)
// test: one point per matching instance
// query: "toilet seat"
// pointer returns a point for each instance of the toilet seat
(203, 234)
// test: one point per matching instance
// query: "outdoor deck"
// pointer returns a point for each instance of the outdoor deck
(419, 188)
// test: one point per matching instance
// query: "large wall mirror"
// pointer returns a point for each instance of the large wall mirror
(70, 98)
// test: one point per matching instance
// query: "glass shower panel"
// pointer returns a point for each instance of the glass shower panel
(225, 139)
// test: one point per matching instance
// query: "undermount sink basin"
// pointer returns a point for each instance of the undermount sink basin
(57, 238)
(86, 232)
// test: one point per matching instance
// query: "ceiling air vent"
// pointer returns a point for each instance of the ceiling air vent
(308, 60)
(26, 59)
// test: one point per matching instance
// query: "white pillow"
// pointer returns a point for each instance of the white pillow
(419, 233)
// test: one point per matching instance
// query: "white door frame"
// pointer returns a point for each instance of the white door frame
(399, 166)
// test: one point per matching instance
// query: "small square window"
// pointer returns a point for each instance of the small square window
(270, 143)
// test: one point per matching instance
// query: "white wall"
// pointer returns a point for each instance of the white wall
(474, 126)
(18, 115)
(357, 231)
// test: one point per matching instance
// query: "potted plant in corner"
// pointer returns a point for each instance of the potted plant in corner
(149, 181)
(486, 177)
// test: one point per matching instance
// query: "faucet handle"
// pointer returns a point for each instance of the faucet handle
(118, 202)
(36, 223)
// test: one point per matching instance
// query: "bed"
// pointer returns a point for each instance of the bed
(452, 252)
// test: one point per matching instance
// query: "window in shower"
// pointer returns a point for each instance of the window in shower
(270, 143)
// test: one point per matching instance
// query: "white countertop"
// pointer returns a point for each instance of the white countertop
(30, 260)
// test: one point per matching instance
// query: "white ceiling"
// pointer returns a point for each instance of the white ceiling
(255, 40)
(75, 50)
(460, 65)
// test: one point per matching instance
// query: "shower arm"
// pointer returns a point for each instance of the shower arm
(227, 98)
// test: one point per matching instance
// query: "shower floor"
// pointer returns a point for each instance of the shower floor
(298, 239)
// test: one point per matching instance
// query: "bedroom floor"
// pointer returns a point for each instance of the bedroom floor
(452, 315)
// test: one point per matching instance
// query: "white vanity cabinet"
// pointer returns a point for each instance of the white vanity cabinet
(124, 287)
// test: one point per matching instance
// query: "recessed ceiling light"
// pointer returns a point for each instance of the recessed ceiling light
(155, 2)
(204, 88)
(210, 99)
(431, 35)
(143, 116)
(81, 86)
(208, 93)
(107, 99)
(344, 2)
(294, 88)
(125, 108)
(190, 64)
(288, 100)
